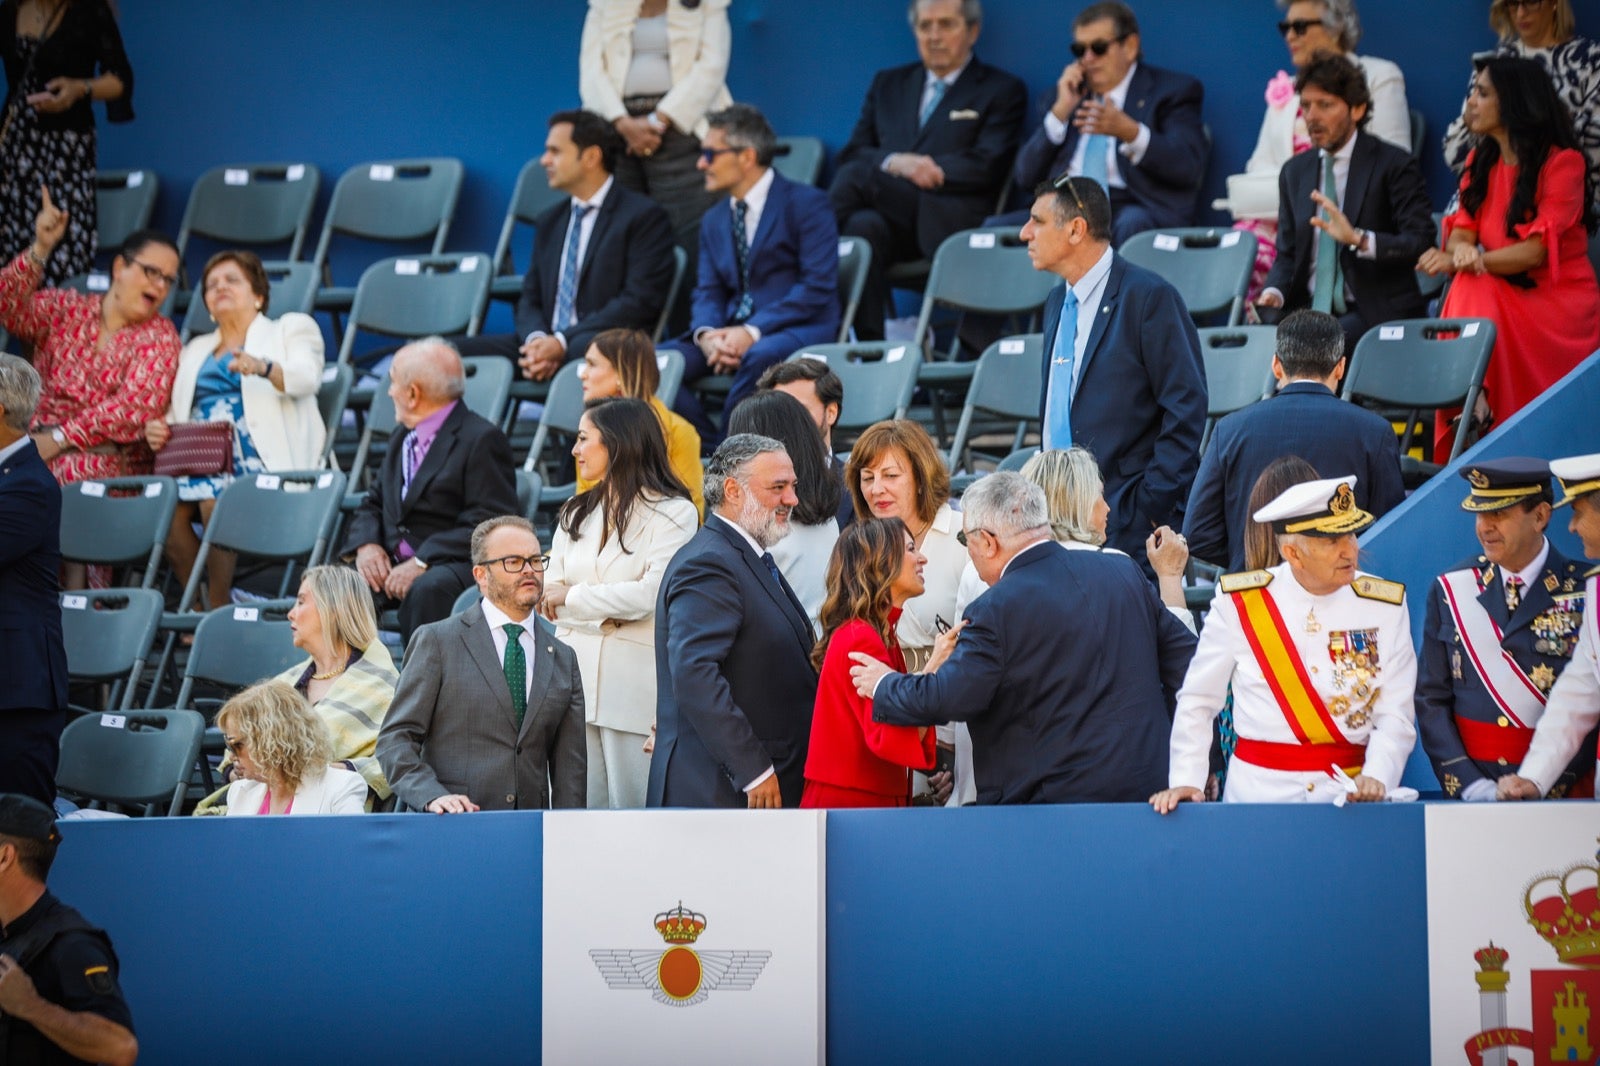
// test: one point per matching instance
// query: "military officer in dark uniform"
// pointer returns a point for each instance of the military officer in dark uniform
(59, 999)
(1500, 629)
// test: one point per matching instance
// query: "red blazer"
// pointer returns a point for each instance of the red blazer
(848, 749)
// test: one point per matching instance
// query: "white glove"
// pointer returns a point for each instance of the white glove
(1480, 791)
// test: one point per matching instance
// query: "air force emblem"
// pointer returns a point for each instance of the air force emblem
(679, 976)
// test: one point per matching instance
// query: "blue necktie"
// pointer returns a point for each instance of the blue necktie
(1058, 418)
(567, 291)
(741, 255)
(1096, 148)
(932, 105)
(1328, 295)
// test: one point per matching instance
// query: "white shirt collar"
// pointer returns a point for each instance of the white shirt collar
(949, 79)
(1531, 572)
(737, 528)
(14, 447)
(498, 618)
(1119, 93)
(597, 199)
(756, 199)
(1342, 156)
(1093, 278)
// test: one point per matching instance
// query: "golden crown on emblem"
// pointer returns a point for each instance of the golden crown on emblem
(1569, 916)
(1344, 499)
(1477, 479)
(680, 925)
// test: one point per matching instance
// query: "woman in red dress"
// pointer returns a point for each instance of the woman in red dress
(1518, 242)
(854, 761)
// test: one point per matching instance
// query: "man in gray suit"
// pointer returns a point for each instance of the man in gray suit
(458, 738)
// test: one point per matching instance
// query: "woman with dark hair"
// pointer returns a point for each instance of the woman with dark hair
(802, 556)
(622, 362)
(107, 360)
(1518, 242)
(853, 761)
(611, 548)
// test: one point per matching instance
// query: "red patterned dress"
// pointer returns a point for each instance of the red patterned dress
(101, 395)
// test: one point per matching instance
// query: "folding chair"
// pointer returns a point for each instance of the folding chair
(124, 200)
(855, 260)
(331, 399)
(487, 389)
(800, 159)
(394, 201)
(108, 634)
(118, 522)
(1419, 134)
(291, 286)
(680, 267)
(670, 363)
(1210, 268)
(531, 198)
(1007, 384)
(1238, 364)
(252, 205)
(139, 760)
(529, 483)
(1017, 459)
(1419, 365)
(470, 597)
(416, 296)
(878, 376)
(563, 407)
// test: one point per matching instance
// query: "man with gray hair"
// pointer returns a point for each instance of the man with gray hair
(33, 670)
(447, 471)
(734, 682)
(1065, 670)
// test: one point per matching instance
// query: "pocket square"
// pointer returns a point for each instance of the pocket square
(964, 113)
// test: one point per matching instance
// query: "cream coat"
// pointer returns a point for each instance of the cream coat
(337, 791)
(286, 426)
(609, 617)
(698, 42)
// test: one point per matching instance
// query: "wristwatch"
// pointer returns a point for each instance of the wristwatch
(420, 564)
(59, 437)
(1359, 238)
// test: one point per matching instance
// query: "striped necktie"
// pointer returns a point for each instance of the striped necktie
(741, 255)
(567, 291)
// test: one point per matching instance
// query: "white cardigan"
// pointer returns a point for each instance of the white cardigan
(336, 791)
(609, 618)
(286, 427)
(698, 43)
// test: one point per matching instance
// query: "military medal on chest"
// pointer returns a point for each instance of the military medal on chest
(1354, 654)
(1555, 630)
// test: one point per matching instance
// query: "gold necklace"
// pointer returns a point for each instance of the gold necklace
(329, 676)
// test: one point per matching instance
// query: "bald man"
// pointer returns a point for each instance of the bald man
(448, 470)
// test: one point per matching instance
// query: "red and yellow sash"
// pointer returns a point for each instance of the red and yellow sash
(1280, 664)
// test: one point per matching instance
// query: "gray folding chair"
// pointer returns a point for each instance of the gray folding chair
(138, 762)
(1210, 268)
(529, 484)
(680, 268)
(252, 205)
(108, 634)
(124, 200)
(332, 397)
(531, 198)
(1007, 385)
(488, 387)
(1238, 363)
(563, 407)
(1420, 365)
(1018, 459)
(416, 296)
(670, 362)
(800, 159)
(878, 376)
(118, 522)
(1419, 134)
(291, 286)
(470, 597)
(855, 260)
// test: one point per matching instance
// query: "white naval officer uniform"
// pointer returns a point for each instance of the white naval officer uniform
(1573, 706)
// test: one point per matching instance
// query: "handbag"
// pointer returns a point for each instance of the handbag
(197, 449)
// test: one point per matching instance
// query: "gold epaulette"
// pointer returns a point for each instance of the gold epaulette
(1243, 582)
(1591, 572)
(1376, 588)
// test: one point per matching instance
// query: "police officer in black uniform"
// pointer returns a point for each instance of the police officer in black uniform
(59, 999)
(1500, 629)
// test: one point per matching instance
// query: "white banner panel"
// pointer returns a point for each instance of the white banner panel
(1513, 932)
(684, 937)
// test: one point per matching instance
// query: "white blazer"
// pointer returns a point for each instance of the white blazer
(609, 619)
(286, 426)
(802, 558)
(337, 791)
(698, 43)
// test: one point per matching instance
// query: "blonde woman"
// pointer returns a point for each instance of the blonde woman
(282, 752)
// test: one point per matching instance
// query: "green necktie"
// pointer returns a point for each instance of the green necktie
(1329, 293)
(516, 667)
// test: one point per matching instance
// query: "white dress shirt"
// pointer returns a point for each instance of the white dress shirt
(1133, 151)
(585, 230)
(1089, 290)
(931, 79)
(497, 618)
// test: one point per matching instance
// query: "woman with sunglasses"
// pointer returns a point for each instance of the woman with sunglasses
(107, 360)
(284, 757)
(1544, 31)
(610, 551)
(1309, 27)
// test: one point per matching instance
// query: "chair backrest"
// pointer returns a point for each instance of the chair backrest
(234, 647)
(108, 634)
(800, 159)
(415, 296)
(488, 385)
(680, 268)
(469, 598)
(878, 376)
(379, 427)
(1238, 363)
(1419, 133)
(278, 516)
(1422, 364)
(528, 485)
(332, 397)
(252, 205)
(1007, 383)
(394, 201)
(670, 362)
(531, 198)
(292, 285)
(562, 409)
(118, 522)
(1210, 268)
(985, 271)
(123, 202)
(855, 260)
(1017, 459)
(141, 760)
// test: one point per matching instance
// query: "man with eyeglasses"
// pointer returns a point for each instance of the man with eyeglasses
(1065, 670)
(931, 150)
(1133, 127)
(769, 265)
(488, 714)
(448, 470)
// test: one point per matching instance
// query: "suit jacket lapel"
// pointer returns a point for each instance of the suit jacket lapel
(1493, 599)
(1140, 90)
(1355, 182)
(544, 671)
(602, 224)
(779, 592)
(438, 452)
(480, 645)
(777, 194)
(548, 242)
(1097, 329)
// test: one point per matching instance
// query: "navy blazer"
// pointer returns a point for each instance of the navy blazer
(1385, 194)
(1066, 676)
(734, 683)
(1306, 419)
(972, 135)
(33, 669)
(622, 281)
(1140, 404)
(1167, 179)
(794, 266)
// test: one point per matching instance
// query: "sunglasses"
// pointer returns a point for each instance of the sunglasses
(709, 155)
(961, 535)
(1099, 48)
(1065, 182)
(1298, 27)
(155, 276)
(1517, 5)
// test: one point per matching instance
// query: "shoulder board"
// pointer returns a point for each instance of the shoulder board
(1376, 588)
(1592, 571)
(1250, 579)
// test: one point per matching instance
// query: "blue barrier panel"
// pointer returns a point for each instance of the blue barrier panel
(1109, 934)
(1416, 541)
